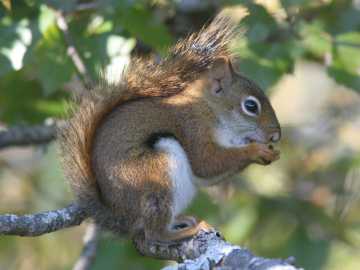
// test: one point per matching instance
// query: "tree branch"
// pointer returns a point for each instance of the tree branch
(41, 223)
(72, 51)
(26, 135)
(88, 6)
(208, 250)
(88, 253)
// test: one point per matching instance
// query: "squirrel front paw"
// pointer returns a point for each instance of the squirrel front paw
(263, 154)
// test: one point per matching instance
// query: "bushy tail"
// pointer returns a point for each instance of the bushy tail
(76, 138)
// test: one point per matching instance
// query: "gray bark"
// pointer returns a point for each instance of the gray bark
(41, 223)
(88, 253)
(206, 250)
(27, 135)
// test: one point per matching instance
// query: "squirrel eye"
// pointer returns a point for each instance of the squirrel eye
(218, 90)
(251, 106)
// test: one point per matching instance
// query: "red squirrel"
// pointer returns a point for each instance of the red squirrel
(136, 152)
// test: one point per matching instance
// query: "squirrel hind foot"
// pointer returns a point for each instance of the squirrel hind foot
(181, 230)
(182, 222)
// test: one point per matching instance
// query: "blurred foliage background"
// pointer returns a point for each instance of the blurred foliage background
(305, 54)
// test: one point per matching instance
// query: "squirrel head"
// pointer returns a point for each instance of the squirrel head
(202, 62)
(243, 112)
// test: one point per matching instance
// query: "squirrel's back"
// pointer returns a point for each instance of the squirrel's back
(143, 78)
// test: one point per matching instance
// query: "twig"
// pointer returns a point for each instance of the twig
(41, 223)
(27, 135)
(87, 6)
(88, 253)
(189, 6)
(72, 51)
(208, 250)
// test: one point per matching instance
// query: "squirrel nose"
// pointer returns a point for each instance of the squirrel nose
(275, 136)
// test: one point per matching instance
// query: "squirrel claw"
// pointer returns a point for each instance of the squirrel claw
(206, 227)
(264, 154)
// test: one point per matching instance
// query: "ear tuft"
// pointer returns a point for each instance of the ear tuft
(221, 73)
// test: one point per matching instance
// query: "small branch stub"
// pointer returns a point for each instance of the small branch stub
(88, 253)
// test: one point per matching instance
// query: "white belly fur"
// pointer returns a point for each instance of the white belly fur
(180, 172)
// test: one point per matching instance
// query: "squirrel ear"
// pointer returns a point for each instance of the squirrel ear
(220, 75)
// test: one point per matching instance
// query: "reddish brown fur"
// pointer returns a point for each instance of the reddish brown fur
(169, 77)
(124, 183)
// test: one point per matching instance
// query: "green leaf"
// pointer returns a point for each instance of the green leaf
(347, 51)
(50, 61)
(142, 24)
(344, 77)
(93, 51)
(25, 9)
(314, 39)
(47, 18)
(266, 64)
(346, 20)
(295, 3)
(15, 39)
(345, 67)
(5, 65)
(98, 25)
(100, 47)
(260, 26)
(115, 254)
(261, 59)
(48, 57)
(241, 223)
(309, 249)
(22, 100)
